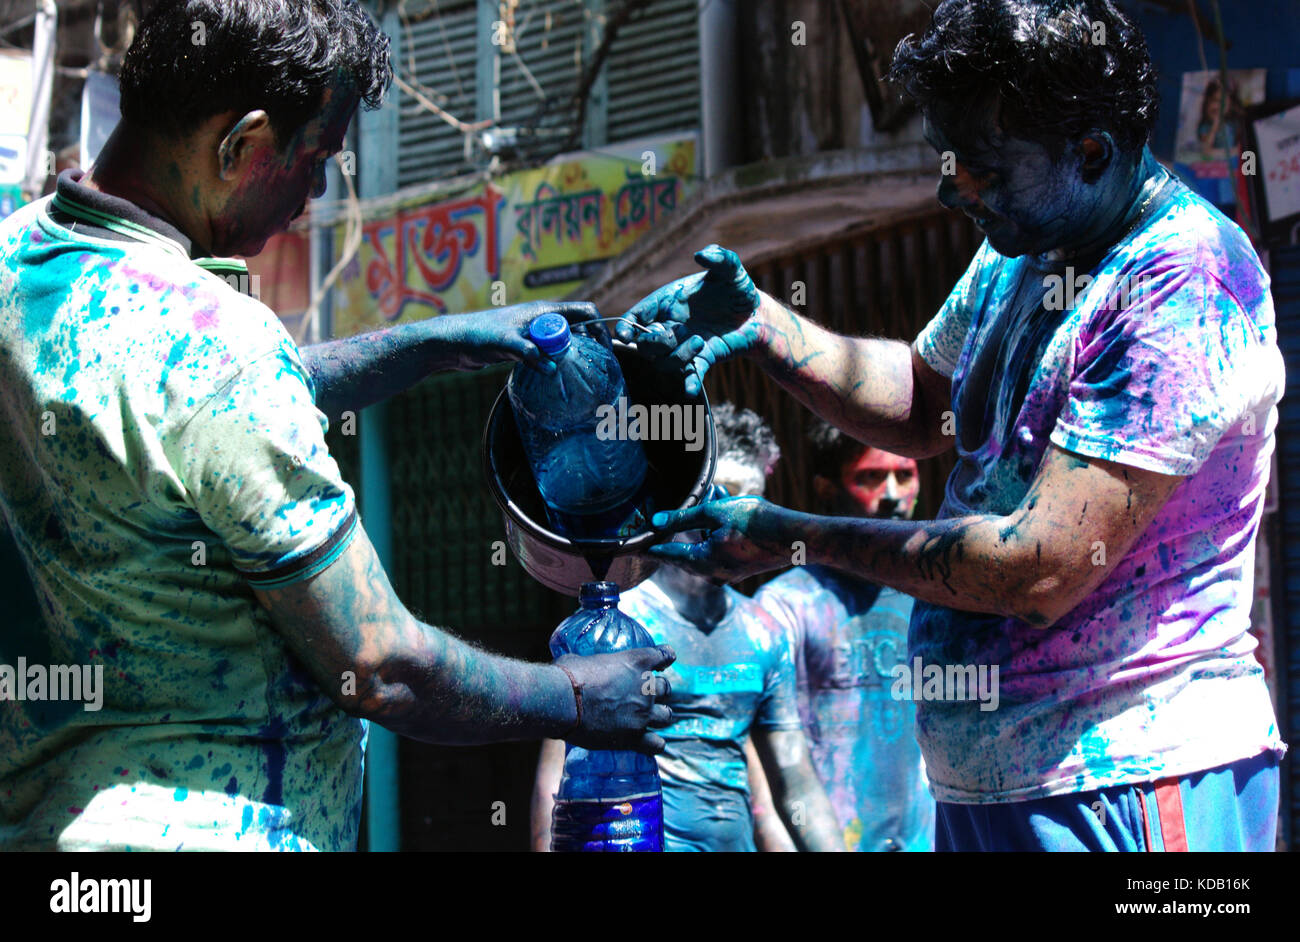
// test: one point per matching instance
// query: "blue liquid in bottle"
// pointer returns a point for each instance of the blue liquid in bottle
(592, 486)
(609, 800)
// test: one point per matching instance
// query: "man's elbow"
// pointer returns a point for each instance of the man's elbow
(1046, 596)
(375, 691)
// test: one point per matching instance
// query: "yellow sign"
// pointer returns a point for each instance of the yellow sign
(531, 235)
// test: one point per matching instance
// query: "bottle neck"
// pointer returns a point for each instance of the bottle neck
(598, 595)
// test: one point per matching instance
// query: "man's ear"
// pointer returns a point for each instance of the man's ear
(1096, 151)
(249, 134)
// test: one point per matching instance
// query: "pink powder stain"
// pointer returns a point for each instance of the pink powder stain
(37, 238)
(205, 320)
(147, 279)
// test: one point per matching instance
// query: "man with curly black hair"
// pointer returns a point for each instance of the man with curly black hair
(1107, 371)
(164, 471)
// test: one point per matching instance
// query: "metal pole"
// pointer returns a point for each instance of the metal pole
(719, 105)
(383, 815)
(44, 54)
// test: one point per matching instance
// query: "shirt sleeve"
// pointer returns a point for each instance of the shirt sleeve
(940, 341)
(1156, 384)
(779, 705)
(256, 468)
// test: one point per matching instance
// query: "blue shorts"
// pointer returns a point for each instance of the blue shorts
(1232, 807)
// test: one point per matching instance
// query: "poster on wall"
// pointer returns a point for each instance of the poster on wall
(15, 114)
(530, 235)
(1210, 129)
(1278, 139)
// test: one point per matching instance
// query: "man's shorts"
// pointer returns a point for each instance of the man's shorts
(1232, 807)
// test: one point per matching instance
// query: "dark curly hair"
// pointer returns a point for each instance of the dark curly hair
(829, 449)
(1042, 59)
(277, 55)
(744, 437)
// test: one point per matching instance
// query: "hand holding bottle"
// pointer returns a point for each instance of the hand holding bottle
(618, 693)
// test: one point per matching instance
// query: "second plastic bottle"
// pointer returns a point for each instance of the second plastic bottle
(591, 483)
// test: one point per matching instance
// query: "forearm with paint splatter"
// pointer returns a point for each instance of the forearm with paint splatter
(865, 386)
(360, 371)
(1078, 520)
(376, 660)
(379, 662)
(356, 372)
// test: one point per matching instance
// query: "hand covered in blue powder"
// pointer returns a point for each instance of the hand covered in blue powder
(484, 338)
(618, 698)
(698, 320)
(744, 536)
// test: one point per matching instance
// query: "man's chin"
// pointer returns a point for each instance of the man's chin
(249, 249)
(1010, 242)
(1009, 245)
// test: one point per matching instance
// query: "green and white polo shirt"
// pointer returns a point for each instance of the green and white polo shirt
(160, 455)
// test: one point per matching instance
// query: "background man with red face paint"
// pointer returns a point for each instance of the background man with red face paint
(164, 472)
(1091, 567)
(848, 634)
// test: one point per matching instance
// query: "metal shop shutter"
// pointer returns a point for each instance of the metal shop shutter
(551, 52)
(654, 73)
(444, 46)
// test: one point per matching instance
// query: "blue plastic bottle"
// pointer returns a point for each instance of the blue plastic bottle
(592, 487)
(608, 800)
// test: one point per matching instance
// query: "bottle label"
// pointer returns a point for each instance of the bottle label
(635, 823)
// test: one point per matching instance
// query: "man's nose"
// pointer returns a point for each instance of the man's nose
(891, 488)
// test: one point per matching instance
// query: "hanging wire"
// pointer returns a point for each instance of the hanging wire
(425, 102)
(1200, 39)
(351, 246)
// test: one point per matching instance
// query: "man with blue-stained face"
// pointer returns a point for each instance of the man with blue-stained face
(1095, 547)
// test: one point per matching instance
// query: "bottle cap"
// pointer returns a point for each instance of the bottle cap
(596, 593)
(551, 333)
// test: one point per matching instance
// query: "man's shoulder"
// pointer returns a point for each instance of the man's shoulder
(751, 629)
(206, 319)
(1190, 232)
